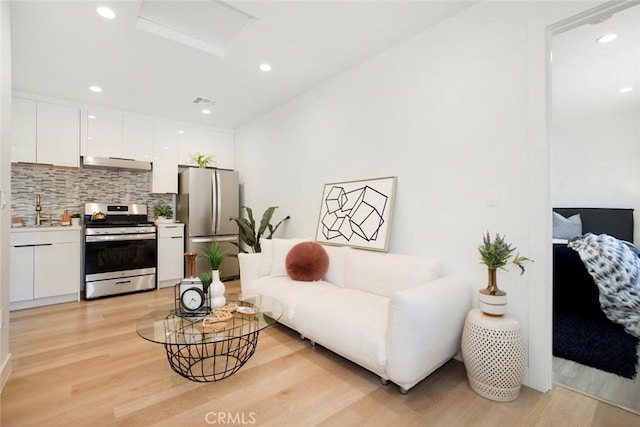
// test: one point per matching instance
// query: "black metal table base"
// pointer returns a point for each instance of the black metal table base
(211, 361)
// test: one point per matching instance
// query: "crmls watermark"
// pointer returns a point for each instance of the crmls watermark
(235, 418)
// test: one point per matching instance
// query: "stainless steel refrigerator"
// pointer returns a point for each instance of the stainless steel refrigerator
(206, 200)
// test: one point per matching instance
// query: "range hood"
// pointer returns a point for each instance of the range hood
(114, 163)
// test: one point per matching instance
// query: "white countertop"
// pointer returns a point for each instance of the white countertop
(44, 228)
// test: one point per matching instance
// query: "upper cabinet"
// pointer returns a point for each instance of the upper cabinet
(137, 136)
(45, 133)
(217, 143)
(119, 135)
(165, 154)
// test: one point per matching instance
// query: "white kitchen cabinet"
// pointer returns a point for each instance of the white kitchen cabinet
(104, 133)
(137, 136)
(45, 266)
(58, 135)
(22, 271)
(57, 268)
(23, 131)
(119, 135)
(165, 153)
(170, 254)
(45, 133)
(194, 139)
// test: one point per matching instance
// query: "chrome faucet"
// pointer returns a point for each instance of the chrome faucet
(38, 209)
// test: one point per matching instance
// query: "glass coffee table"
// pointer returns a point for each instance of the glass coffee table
(201, 353)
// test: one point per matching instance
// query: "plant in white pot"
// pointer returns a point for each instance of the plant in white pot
(214, 257)
(496, 254)
(163, 213)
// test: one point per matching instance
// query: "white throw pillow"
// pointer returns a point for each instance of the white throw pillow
(281, 248)
(267, 256)
(335, 273)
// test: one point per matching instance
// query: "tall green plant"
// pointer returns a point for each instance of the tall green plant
(247, 228)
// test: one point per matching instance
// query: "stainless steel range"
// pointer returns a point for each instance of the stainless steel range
(119, 249)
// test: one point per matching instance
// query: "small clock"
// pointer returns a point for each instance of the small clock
(192, 299)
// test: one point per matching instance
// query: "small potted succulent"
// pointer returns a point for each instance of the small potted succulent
(496, 254)
(206, 280)
(75, 219)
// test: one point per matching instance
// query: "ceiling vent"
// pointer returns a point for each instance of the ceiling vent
(202, 101)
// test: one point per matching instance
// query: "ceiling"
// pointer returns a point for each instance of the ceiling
(60, 48)
(586, 75)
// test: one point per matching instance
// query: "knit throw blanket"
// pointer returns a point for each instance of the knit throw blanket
(615, 269)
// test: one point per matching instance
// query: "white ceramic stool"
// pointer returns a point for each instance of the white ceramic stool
(494, 355)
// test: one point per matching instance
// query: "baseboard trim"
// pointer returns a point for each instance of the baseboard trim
(5, 372)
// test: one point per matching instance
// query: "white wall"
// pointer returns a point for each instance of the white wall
(5, 177)
(596, 162)
(456, 113)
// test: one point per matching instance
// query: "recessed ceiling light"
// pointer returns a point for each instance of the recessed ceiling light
(91, 117)
(205, 111)
(265, 67)
(607, 38)
(105, 12)
(95, 88)
(625, 89)
(180, 131)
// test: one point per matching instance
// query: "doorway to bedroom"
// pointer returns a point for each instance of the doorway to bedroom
(595, 151)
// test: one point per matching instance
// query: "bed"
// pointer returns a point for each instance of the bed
(582, 332)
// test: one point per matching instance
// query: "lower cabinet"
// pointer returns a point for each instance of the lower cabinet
(170, 254)
(45, 268)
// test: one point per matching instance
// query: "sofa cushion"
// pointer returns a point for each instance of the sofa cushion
(349, 322)
(307, 262)
(266, 259)
(385, 273)
(289, 292)
(335, 273)
(281, 248)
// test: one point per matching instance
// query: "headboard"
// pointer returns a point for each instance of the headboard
(615, 222)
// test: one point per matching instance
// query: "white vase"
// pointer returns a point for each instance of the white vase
(216, 290)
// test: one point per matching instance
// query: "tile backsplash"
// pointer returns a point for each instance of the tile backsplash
(63, 189)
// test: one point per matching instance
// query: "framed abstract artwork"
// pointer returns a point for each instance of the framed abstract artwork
(357, 213)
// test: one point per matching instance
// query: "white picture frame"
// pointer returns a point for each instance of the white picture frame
(357, 213)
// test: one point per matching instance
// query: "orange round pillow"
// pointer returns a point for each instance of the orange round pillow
(307, 262)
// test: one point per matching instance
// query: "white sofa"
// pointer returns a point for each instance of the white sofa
(391, 314)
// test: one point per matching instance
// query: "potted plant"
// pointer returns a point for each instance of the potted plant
(206, 280)
(202, 160)
(496, 254)
(75, 219)
(247, 228)
(214, 257)
(163, 213)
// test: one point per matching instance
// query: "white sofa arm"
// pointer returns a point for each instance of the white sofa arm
(249, 268)
(424, 328)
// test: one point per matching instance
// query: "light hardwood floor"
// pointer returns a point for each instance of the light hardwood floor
(609, 387)
(84, 364)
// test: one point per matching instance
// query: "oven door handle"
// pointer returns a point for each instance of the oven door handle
(120, 237)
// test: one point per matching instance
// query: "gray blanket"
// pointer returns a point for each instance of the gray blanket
(615, 269)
